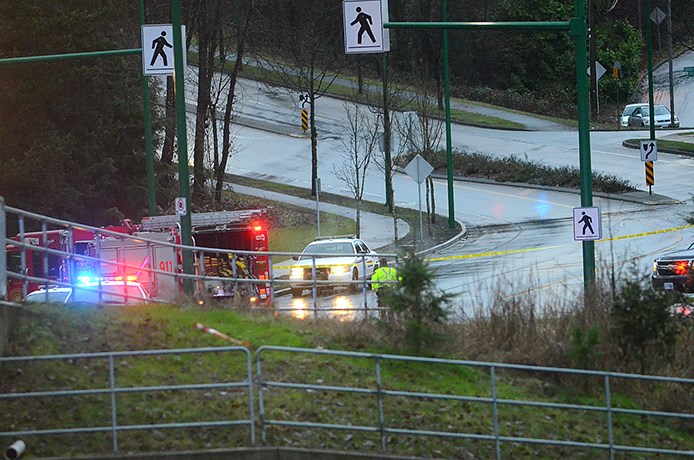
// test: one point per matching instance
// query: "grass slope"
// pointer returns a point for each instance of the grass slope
(59, 330)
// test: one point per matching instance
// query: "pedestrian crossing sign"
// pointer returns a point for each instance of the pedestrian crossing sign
(363, 22)
(587, 224)
(157, 49)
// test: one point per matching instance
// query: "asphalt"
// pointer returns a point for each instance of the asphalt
(379, 231)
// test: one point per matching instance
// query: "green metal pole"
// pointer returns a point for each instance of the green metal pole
(387, 160)
(60, 57)
(181, 133)
(447, 97)
(149, 149)
(649, 46)
(579, 30)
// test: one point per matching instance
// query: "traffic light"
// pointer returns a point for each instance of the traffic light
(615, 73)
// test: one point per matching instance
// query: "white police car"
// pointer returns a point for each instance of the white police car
(105, 292)
(336, 260)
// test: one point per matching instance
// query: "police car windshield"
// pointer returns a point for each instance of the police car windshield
(327, 249)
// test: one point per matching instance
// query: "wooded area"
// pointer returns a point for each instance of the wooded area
(72, 130)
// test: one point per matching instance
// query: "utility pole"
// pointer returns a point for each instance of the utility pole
(592, 58)
(669, 55)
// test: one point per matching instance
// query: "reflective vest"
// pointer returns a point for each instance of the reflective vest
(383, 274)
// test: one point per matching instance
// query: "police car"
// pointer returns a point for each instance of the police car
(105, 292)
(336, 261)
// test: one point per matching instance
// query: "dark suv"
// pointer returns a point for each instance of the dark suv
(675, 270)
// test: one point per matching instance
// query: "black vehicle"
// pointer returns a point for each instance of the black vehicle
(675, 270)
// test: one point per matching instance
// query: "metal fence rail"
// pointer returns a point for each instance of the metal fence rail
(497, 404)
(278, 282)
(115, 388)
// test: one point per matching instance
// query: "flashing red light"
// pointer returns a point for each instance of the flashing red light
(258, 228)
(681, 267)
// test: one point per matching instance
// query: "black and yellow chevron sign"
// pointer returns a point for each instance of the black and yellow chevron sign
(650, 177)
(304, 119)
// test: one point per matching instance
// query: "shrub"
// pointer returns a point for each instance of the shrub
(417, 302)
(643, 326)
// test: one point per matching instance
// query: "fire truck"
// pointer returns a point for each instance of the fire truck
(150, 256)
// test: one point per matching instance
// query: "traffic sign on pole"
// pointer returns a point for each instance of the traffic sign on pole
(181, 206)
(157, 49)
(587, 224)
(363, 23)
(649, 150)
(419, 169)
(304, 119)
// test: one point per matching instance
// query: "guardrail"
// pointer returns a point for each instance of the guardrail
(76, 372)
(377, 399)
(385, 396)
(36, 267)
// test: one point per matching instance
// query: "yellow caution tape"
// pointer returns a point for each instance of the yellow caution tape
(638, 235)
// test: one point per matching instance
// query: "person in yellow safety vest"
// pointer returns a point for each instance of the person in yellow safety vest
(383, 273)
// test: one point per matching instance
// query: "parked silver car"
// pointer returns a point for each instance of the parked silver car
(628, 110)
(640, 117)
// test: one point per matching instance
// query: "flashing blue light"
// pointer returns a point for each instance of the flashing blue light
(84, 279)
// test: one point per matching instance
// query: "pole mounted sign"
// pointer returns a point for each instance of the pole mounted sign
(157, 49)
(649, 150)
(587, 224)
(363, 21)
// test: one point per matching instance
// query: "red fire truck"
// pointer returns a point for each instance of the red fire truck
(150, 257)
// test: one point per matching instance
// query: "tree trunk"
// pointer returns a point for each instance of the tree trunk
(220, 173)
(169, 124)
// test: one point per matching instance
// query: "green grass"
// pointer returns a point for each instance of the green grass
(58, 329)
(664, 144)
(295, 238)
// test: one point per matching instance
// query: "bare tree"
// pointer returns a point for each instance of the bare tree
(221, 160)
(303, 47)
(422, 132)
(358, 145)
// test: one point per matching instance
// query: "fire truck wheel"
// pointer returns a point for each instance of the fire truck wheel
(296, 292)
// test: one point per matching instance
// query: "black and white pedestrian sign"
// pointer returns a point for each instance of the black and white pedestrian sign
(363, 22)
(157, 49)
(180, 205)
(587, 224)
(649, 150)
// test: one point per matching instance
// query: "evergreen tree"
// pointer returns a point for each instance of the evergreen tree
(72, 131)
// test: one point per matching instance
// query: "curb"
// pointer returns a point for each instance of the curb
(637, 196)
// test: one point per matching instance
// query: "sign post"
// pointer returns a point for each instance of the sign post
(649, 154)
(419, 169)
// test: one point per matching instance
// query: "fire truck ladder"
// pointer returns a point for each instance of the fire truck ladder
(202, 219)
